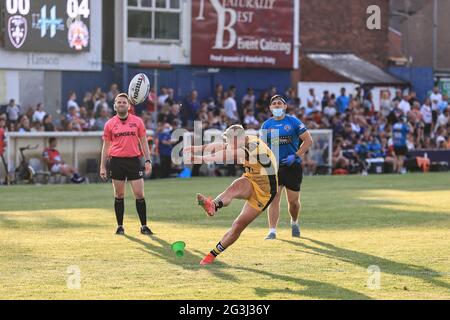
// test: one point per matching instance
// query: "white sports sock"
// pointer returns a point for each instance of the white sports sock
(294, 223)
(273, 230)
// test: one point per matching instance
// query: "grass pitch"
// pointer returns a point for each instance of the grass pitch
(400, 224)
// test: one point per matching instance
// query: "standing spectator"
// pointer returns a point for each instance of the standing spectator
(39, 114)
(231, 108)
(313, 102)
(165, 145)
(101, 104)
(443, 105)
(112, 94)
(219, 95)
(192, 107)
(13, 112)
(325, 99)
(386, 104)
(163, 96)
(398, 96)
(404, 105)
(342, 102)
(250, 98)
(88, 101)
(436, 99)
(72, 102)
(413, 98)
(427, 117)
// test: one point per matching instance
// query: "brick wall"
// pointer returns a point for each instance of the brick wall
(340, 26)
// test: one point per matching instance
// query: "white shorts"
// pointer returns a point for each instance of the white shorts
(57, 168)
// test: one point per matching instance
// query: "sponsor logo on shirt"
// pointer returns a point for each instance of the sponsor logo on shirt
(125, 134)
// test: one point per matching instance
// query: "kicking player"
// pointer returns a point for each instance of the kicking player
(293, 140)
(258, 185)
(123, 139)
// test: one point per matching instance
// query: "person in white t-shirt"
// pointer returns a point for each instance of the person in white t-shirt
(39, 114)
(313, 101)
(72, 103)
(427, 117)
(404, 105)
(230, 107)
(436, 98)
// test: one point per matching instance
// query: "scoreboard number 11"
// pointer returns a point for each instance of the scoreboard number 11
(75, 9)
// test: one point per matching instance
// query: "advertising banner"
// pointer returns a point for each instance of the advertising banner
(243, 33)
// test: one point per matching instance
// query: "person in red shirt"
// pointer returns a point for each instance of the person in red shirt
(2, 142)
(124, 143)
(55, 163)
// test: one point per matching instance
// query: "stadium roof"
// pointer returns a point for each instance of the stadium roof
(354, 69)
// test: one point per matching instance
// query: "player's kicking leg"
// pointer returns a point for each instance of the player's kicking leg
(239, 189)
(248, 214)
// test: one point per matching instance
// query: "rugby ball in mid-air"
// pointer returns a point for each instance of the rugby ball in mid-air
(139, 89)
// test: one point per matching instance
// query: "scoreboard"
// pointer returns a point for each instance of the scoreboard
(52, 26)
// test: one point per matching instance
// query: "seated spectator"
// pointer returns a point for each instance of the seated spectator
(24, 124)
(13, 111)
(250, 121)
(39, 114)
(55, 163)
(100, 122)
(48, 123)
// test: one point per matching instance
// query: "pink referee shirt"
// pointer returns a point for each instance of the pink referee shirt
(124, 136)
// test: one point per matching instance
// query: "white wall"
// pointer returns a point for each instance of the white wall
(320, 87)
(89, 61)
(9, 86)
(134, 51)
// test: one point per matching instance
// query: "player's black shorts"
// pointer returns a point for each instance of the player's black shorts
(122, 169)
(401, 151)
(291, 177)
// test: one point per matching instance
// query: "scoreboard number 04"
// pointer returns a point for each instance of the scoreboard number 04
(18, 6)
(76, 8)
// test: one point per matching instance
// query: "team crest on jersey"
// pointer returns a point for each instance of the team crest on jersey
(287, 127)
(17, 30)
(133, 125)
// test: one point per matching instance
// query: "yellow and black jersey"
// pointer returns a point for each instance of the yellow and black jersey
(261, 169)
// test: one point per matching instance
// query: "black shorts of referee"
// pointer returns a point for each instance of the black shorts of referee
(125, 169)
(291, 177)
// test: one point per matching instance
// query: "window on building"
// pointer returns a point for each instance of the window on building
(154, 19)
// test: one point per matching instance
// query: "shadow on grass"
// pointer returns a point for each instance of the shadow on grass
(365, 260)
(190, 261)
(44, 224)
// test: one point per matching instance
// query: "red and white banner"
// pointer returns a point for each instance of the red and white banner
(243, 33)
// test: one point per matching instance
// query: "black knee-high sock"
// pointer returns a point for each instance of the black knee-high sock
(218, 249)
(141, 208)
(119, 207)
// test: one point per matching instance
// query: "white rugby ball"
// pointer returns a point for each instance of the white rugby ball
(139, 89)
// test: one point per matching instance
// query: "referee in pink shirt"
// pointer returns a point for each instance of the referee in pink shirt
(124, 141)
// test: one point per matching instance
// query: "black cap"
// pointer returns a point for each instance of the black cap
(277, 97)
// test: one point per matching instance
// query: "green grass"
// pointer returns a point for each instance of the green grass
(399, 223)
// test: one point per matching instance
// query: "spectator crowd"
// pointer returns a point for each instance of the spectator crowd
(361, 130)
